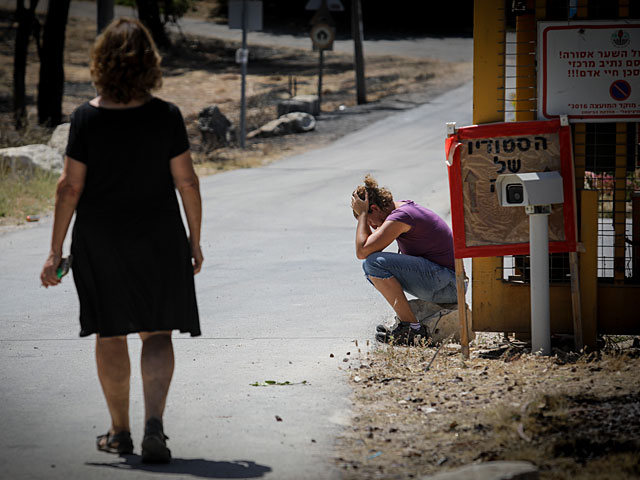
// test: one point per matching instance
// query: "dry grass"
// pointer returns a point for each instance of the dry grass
(25, 194)
(573, 417)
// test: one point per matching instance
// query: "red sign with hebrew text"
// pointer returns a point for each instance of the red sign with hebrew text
(476, 155)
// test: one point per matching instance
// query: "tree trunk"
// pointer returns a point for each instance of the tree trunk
(356, 32)
(51, 83)
(105, 14)
(26, 19)
(149, 14)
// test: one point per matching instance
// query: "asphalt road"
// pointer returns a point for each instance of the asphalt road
(280, 291)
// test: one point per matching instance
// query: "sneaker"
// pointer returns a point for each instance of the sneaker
(154, 443)
(403, 334)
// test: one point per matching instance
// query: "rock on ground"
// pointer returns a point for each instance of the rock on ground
(29, 157)
(300, 103)
(490, 471)
(59, 138)
(295, 122)
(214, 126)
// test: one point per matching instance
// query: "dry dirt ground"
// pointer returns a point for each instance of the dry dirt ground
(201, 72)
(573, 416)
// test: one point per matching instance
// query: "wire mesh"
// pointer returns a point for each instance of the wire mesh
(612, 165)
(611, 160)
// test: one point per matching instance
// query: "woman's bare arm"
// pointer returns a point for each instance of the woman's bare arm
(68, 192)
(186, 181)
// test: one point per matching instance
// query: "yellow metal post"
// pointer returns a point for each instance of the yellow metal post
(488, 58)
(582, 10)
(541, 9)
(589, 267)
(488, 106)
(623, 8)
(525, 99)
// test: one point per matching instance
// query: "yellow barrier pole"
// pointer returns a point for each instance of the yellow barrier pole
(589, 267)
(488, 106)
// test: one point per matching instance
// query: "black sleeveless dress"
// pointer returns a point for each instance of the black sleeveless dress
(131, 255)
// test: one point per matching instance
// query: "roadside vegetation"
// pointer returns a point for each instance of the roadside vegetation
(573, 416)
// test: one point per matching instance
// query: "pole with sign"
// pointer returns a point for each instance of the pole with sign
(247, 15)
(322, 36)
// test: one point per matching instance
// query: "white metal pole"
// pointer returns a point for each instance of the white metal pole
(539, 246)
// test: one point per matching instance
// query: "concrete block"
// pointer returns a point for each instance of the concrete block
(300, 103)
(500, 470)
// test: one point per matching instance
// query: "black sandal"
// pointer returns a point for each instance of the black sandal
(154, 443)
(119, 443)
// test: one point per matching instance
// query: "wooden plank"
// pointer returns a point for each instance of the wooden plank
(589, 267)
(618, 310)
(462, 308)
(575, 301)
(504, 307)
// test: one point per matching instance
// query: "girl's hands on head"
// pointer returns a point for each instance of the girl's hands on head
(358, 205)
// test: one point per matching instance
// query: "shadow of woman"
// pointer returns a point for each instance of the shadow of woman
(198, 467)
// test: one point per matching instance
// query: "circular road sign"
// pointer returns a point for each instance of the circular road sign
(620, 90)
(322, 35)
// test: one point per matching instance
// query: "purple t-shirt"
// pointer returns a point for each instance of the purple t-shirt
(430, 237)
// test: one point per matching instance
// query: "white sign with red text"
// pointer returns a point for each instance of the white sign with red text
(589, 70)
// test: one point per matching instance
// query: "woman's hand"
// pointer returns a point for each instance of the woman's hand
(358, 205)
(197, 258)
(49, 276)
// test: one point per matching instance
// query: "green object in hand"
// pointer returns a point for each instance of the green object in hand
(63, 268)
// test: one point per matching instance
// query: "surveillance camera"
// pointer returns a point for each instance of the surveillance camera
(515, 194)
(524, 189)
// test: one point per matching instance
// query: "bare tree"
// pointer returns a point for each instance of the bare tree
(149, 14)
(27, 25)
(51, 83)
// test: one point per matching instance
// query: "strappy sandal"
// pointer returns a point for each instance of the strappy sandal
(119, 443)
(154, 443)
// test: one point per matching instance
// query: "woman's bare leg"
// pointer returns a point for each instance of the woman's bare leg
(157, 363)
(114, 370)
(393, 293)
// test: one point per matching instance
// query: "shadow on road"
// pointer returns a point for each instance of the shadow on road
(198, 467)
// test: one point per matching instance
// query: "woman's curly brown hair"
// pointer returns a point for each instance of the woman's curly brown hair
(125, 64)
(379, 196)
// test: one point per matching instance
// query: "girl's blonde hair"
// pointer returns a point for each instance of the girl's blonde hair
(379, 196)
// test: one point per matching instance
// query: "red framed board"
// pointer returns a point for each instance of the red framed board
(476, 155)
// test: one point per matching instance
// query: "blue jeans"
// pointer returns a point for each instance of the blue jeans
(418, 276)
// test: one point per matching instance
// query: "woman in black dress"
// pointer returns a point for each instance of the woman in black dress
(133, 264)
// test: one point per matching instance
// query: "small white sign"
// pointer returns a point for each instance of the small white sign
(589, 70)
(242, 55)
(333, 5)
